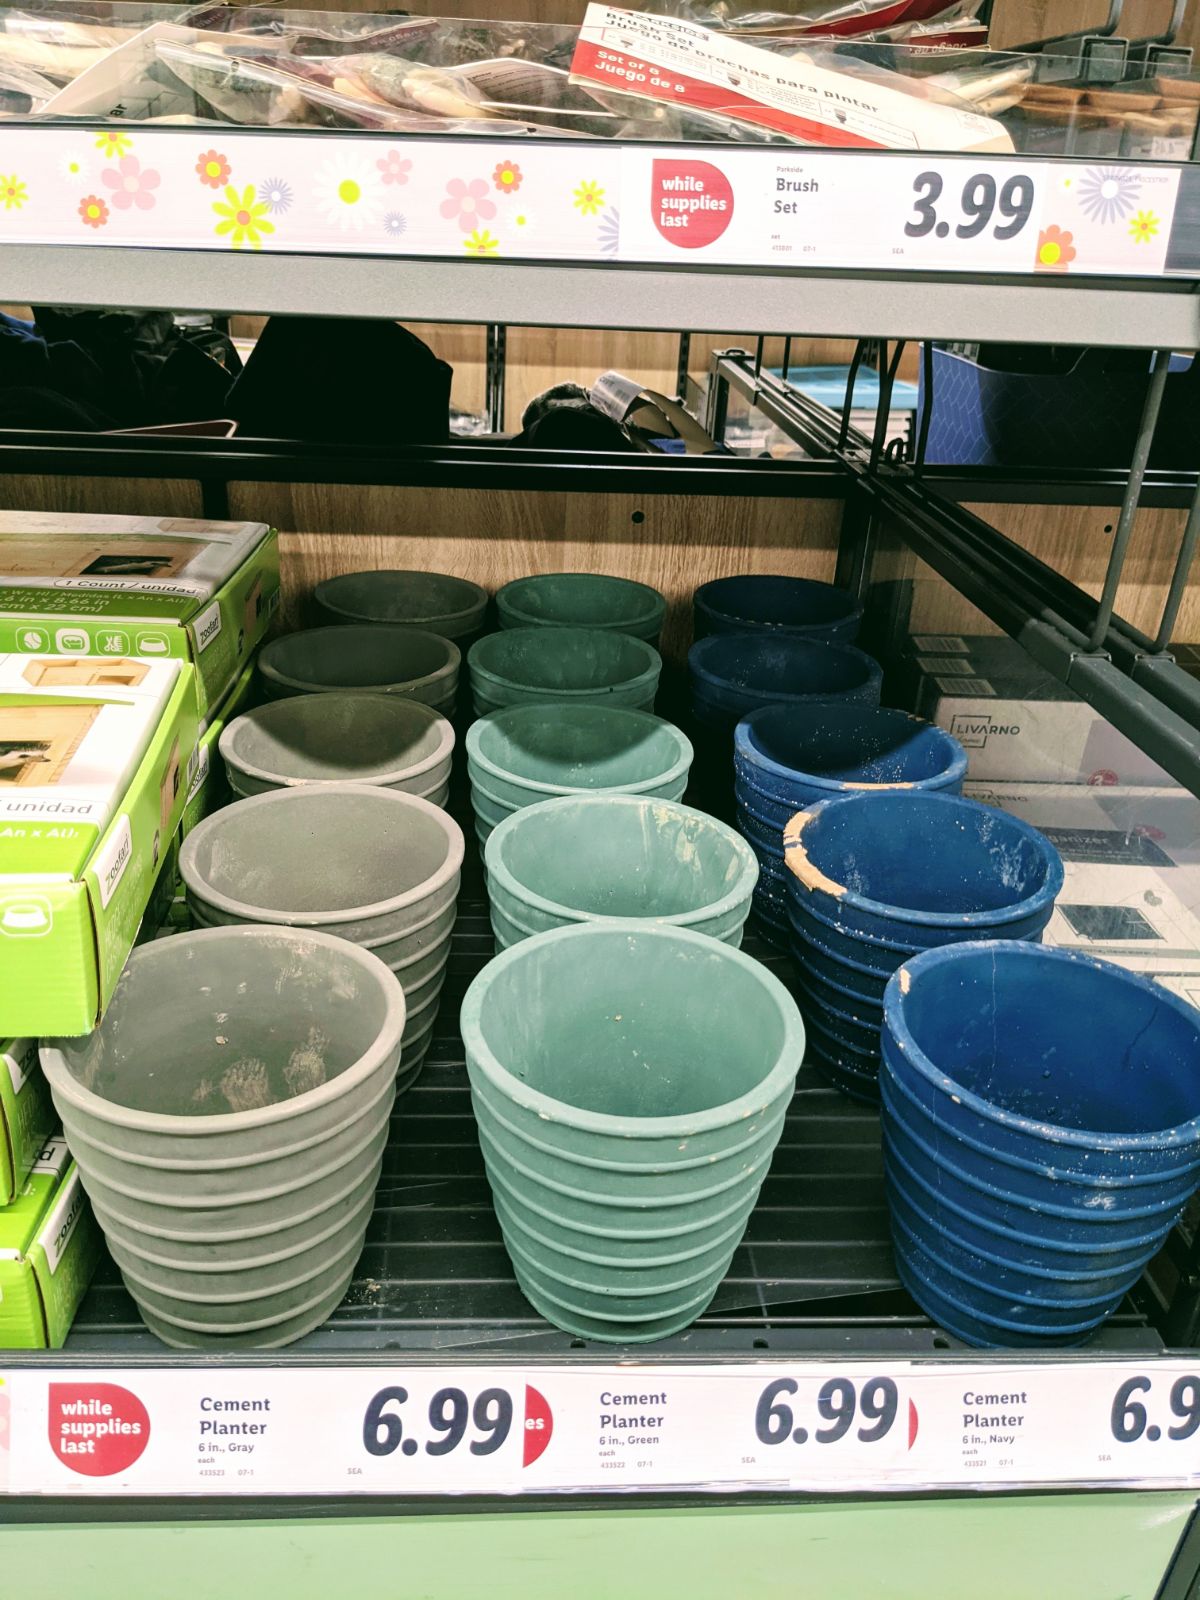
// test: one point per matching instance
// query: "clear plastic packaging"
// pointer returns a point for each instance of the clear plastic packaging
(262, 66)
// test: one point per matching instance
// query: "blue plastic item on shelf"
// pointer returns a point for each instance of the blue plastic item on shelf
(774, 603)
(1041, 1119)
(877, 878)
(993, 411)
(734, 673)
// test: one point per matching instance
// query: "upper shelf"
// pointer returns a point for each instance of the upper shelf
(562, 232)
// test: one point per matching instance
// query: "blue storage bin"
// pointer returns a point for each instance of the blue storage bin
(1082, 410)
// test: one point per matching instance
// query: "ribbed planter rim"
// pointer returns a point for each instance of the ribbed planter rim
(478, 731)
(812, 877)
(508, 599)
(552, 1110)
(387, 1039)
(381, 780)
(529, 816)
(702, 597)
(646, 679)
(300, 795)
(1052, 1132)
(754, 756)
(869, 669)
(478, 602)
(310, 685)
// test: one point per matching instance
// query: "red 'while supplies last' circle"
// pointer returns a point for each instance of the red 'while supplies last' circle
(96, 1429)
(691, 202)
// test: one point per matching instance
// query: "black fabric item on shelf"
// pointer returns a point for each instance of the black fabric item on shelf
(564, 418)
(541, 403)
(346, 379)
(88, 370)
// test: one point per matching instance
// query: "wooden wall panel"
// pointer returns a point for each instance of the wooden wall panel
(1074, 540)
(671, 541)
(133, 497)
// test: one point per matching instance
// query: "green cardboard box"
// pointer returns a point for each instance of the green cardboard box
(209, 789)
(138, 588)
(93, 781)
(49, 1246)
(26, 1114)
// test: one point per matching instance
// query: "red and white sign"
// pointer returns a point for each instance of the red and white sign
(681, 64)
(835, 1426)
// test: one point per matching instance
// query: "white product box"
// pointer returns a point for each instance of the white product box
(1016, 722)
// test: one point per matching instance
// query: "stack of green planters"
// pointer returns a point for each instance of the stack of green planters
(630, 1069)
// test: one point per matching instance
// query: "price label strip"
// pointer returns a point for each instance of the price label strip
(873, 212)
(814, 1425)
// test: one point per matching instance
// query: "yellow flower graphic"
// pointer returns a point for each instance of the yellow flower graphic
(13, 193)
(1143, 227)
(589, 197)
(243, 217)
(481, 243)
(114, 145)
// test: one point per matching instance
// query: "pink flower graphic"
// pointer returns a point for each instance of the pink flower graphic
(468, 202)
(131, 185)
(394, 167)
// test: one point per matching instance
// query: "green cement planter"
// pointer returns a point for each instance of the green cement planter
(380, 739)
(527, 754)
(228, 1118)
(363, 659)
(522, 666)
(589, 858)
(582, 600)
(629, 1083)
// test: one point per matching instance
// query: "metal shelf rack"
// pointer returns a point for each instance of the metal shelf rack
(814, 1278)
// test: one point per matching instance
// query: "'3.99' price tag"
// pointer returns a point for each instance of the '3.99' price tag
(897, 211)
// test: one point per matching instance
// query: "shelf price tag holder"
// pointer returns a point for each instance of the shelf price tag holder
(890, 211)
(823, 1426)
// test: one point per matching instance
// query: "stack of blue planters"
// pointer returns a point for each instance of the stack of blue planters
(761, 602)
(763, 640)
(786, 758)
(876, 878)
(1041, 1124)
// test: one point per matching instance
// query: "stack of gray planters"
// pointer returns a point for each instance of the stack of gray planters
(229, 1117)
(379, 739)
(361, 659)
(371, 865)
(435, 601)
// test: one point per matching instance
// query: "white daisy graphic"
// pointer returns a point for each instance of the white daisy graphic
(347, 193)
(75, 166)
